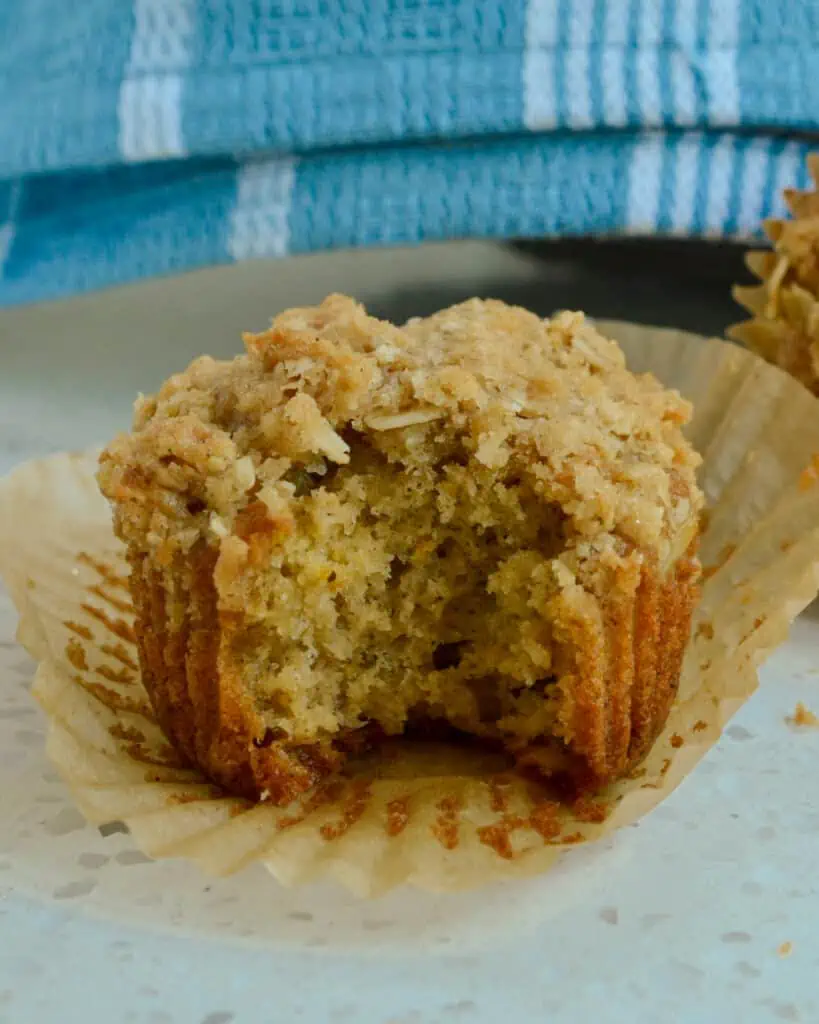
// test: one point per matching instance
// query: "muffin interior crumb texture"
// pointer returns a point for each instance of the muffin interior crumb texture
(403, 525)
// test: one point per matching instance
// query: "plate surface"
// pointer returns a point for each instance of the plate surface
(703, 912)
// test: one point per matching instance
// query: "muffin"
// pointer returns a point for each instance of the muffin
(784, 328)
(480, 522)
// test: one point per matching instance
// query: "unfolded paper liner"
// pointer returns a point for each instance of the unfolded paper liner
(431, 816)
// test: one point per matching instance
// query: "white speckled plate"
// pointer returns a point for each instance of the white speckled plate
(703, 913)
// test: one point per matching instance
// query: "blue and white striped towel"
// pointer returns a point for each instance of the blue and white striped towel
(140, 137)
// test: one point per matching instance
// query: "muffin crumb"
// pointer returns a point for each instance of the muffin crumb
(802, 718)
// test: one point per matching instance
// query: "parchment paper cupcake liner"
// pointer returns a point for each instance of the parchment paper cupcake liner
(428, 815)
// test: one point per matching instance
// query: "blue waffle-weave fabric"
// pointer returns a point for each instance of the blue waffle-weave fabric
(142, 137)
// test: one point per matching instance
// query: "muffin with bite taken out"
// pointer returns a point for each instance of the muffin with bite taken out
(355, 530)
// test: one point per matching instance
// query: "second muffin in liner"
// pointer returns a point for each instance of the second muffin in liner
(429, 814)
